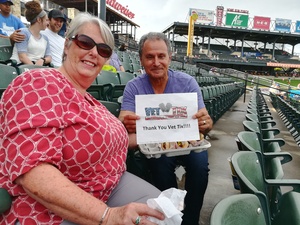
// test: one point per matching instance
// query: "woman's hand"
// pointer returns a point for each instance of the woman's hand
(132, 213)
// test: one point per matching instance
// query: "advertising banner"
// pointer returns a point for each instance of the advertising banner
(297, 26)
(236, 20)
(219, 15)
(202, 16)
(283, 25)
(283, 65)
(261, 23)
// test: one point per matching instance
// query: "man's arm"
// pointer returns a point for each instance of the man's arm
(128, 118)
(122, 68)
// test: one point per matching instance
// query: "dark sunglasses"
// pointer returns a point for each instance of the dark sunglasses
(87, 43)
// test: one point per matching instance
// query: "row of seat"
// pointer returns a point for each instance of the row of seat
(109, 86)
(258, 167)
(6, 50)
(289, 114)
(8, 73)
(219, 98)
(130, 61)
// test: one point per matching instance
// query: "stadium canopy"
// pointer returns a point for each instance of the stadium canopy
(117, 21)
(234, 33)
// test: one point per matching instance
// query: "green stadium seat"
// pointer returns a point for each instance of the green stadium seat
(8, 73)
(240, 209)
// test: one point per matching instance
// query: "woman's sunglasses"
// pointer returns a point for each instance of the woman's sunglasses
(87, 43)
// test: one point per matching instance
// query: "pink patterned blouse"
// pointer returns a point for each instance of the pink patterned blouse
(43, 118)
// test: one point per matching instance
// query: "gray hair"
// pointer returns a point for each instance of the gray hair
(154, 36)
(83, 18)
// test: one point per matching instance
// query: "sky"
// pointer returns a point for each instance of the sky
(156, 15)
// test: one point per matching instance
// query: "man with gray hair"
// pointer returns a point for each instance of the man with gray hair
(155, 55)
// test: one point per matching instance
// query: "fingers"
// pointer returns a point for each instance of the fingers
(17, 37)
(133, 213)
(130, 123)
(204, 121)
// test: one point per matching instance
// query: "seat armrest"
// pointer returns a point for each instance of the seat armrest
(286, 156)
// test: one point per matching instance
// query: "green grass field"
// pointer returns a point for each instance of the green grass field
(286, 81)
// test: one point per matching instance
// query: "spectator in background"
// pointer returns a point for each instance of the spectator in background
(123, 47)
(116, 62)
(35, 49)
(113, 64)
(9, 24)
(63, 30)
(56, 20)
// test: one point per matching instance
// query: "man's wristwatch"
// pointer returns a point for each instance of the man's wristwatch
(44, 60)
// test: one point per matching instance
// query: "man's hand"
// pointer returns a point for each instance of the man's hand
(204, 121)
(130, 122)
(17, 36)
(129, 118)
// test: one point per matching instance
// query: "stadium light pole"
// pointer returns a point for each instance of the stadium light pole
(102, 9)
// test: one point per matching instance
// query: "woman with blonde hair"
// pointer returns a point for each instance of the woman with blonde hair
(35, 49)
(62, 153)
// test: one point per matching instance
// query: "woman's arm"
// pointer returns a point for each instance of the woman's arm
(24, 58)
(46, 184)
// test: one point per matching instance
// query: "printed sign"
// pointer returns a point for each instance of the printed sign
(297, 26)
(261, 23)
(283, 25)
(219, 15)
(202, 16)
(166, 118)
(236, 20)
(238, 10)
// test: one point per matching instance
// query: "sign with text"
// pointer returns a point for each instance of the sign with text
(202, 16)
(219, 15)
(166, 118)
(236, 20)
(283, 25)
(261, 23)
(297, 26)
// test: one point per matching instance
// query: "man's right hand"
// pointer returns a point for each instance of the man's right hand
(17, 36)
(129, 122)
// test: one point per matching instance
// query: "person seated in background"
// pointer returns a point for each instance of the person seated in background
(113, 64)
(116, 62)
(65, 24)
(35, 49)
(274, 88)
(9, 24)
(123, 47)
(56, 20)
(62, 153)
(155, 56)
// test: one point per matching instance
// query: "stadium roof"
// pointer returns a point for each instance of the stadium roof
(234, 33)
(92, 6)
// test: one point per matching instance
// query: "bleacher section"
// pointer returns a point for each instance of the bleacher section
(258, 167)
(289, 111)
